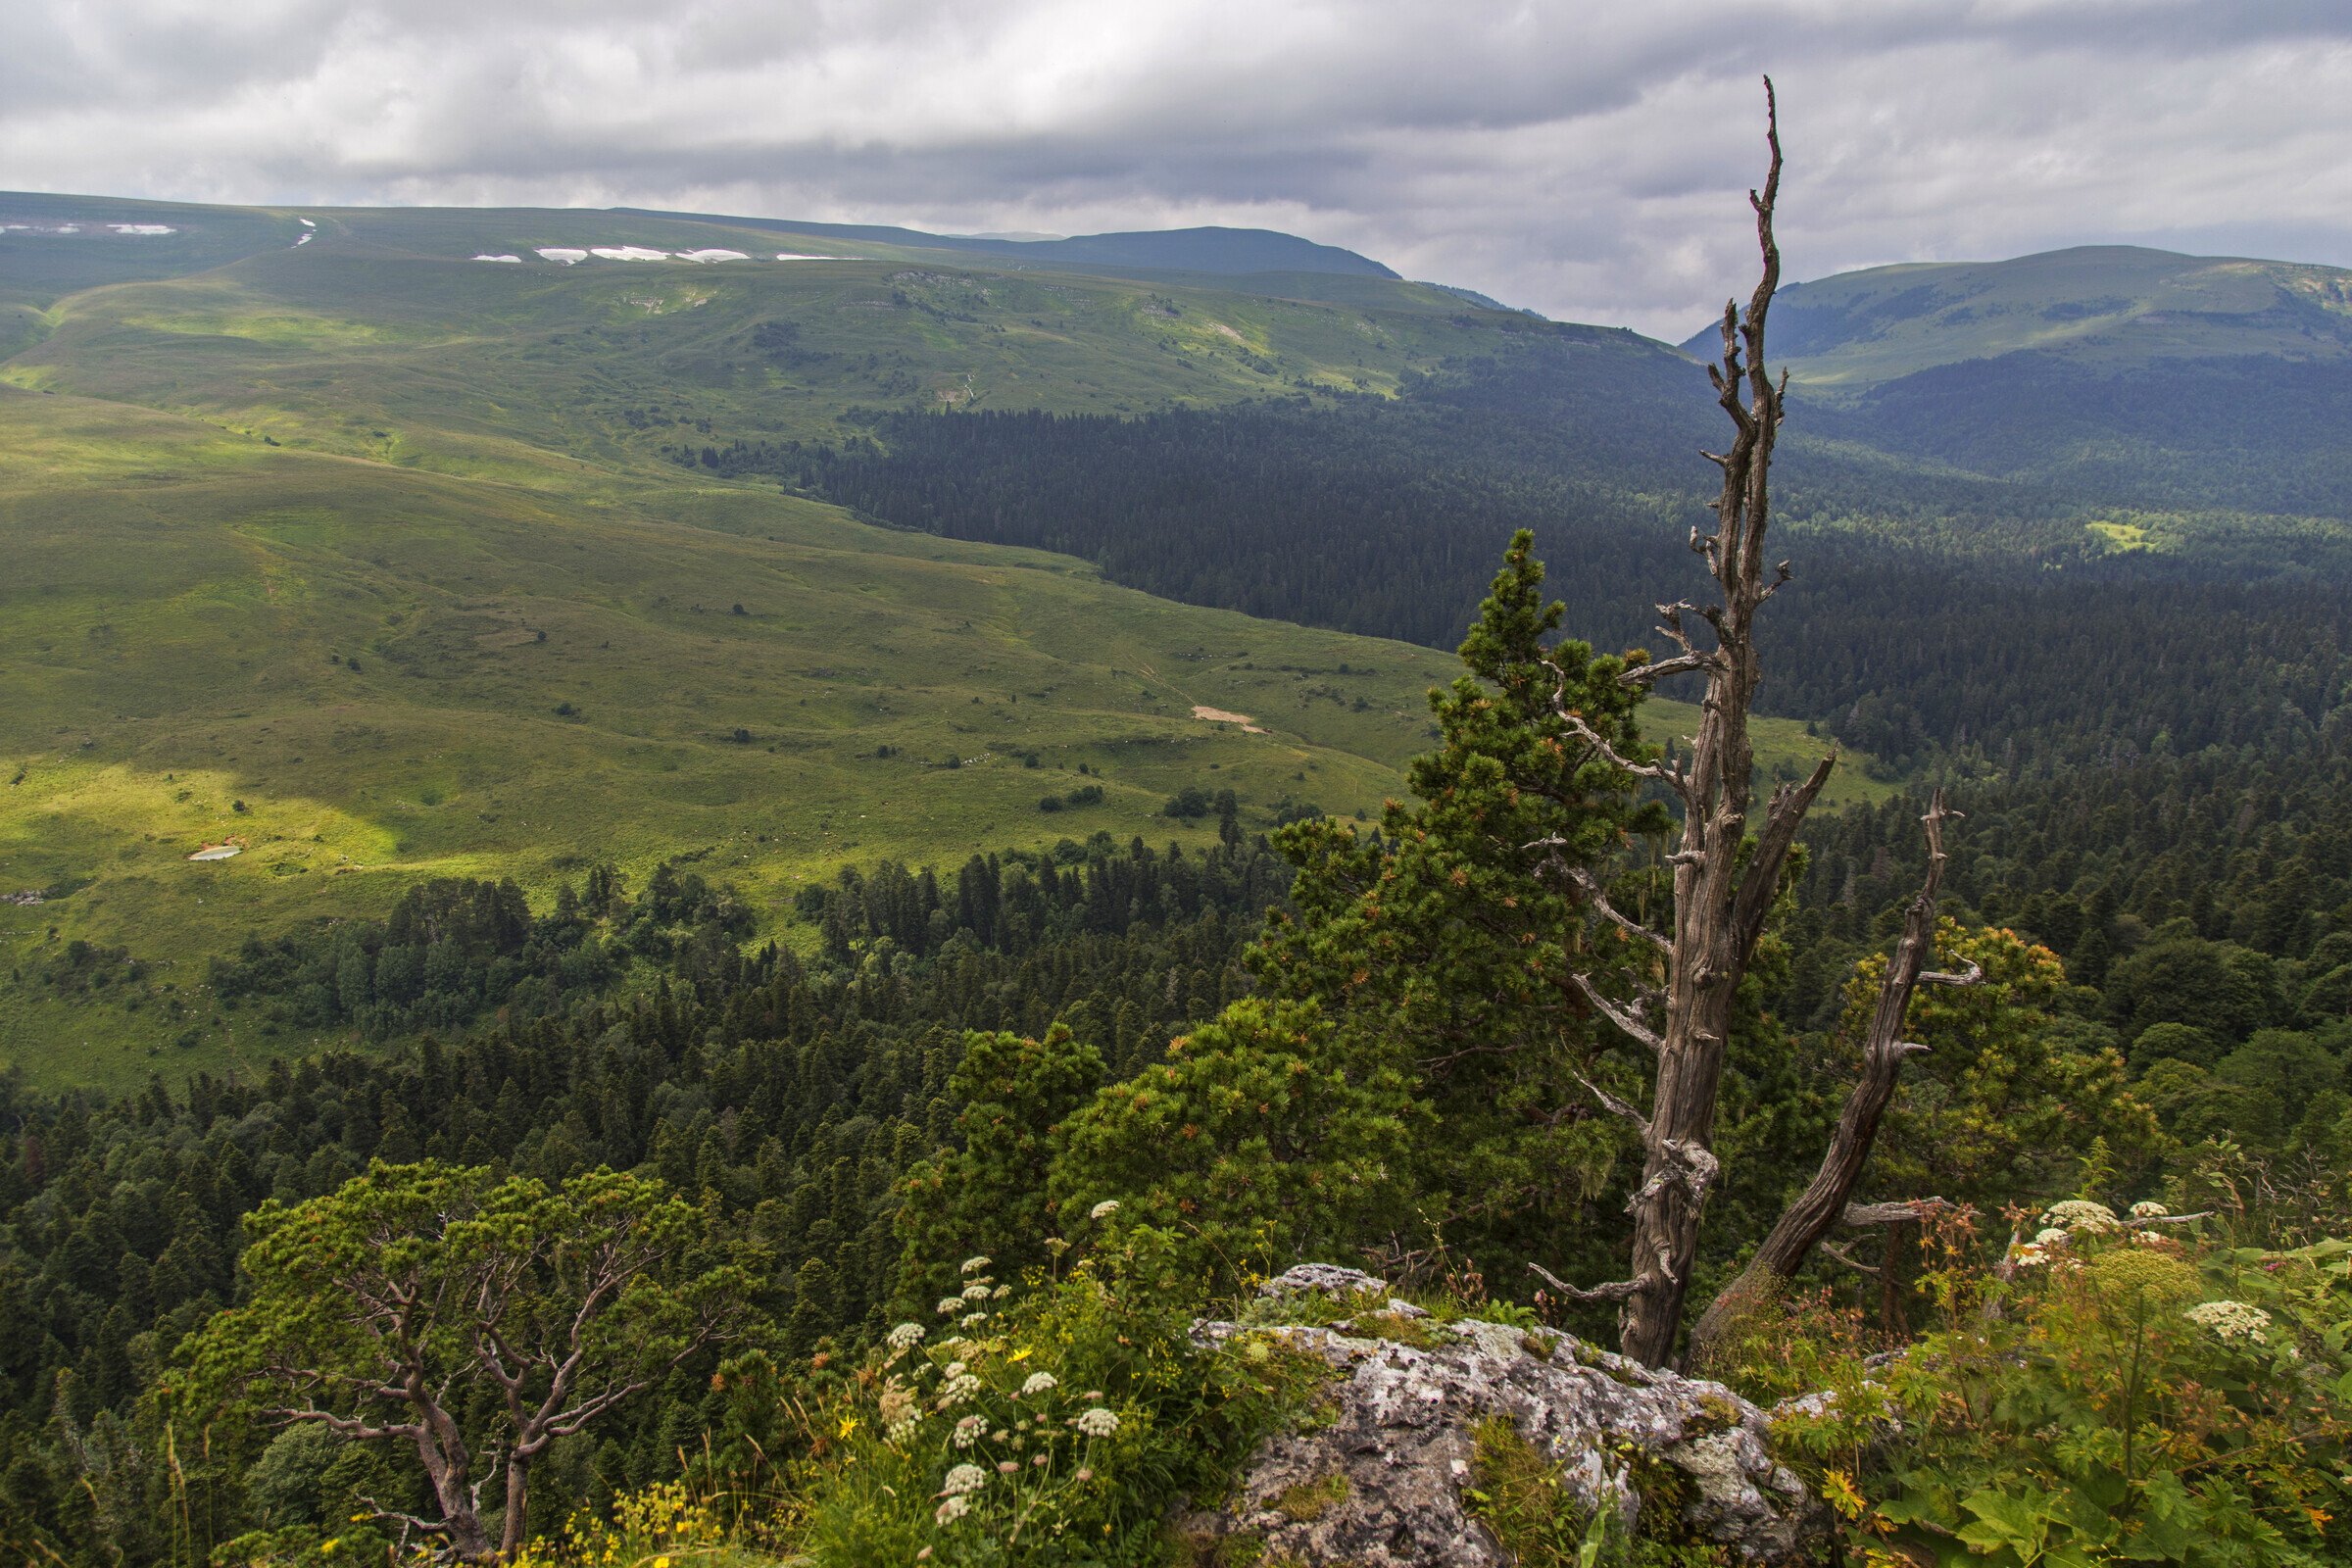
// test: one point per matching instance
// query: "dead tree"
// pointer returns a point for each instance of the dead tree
(1826, 1203)
(1727, 869)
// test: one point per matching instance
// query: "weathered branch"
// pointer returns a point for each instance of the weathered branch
(1824, 1202)
(1616, 1291)
(1614, 1105)
(1863, 1216)
(1832, 1249)
(376, 1509)
(1781, 820)
(1663, 773)
(1617, 1015)
(1599, 901)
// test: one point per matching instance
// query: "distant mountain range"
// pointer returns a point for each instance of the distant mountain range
(2111, 304)
(2136, 375)
(1220, 251)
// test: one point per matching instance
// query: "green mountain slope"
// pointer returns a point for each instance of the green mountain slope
(381, 561)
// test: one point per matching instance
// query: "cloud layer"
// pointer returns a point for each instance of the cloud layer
(1585, 156)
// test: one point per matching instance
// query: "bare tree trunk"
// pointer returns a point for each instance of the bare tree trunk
(1721, 898)
(1826, 1202)
(514, 1527)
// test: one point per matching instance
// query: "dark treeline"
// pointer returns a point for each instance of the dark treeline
(794, 1093)
(1931, 616)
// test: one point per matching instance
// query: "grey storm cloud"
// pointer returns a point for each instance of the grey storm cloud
(1588, 159)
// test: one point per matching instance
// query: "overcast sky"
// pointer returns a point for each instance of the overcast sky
(1584, 156)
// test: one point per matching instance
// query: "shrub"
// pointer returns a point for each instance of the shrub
(1265, 1136)
(1058, 1426)
(2120, 1395)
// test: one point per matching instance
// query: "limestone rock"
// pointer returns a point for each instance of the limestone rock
(1380, 1484)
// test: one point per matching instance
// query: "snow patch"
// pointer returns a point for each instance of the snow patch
(796, 256)
(142, 228)
(308, 235)
(306, 222)
(627, 252)
(562, 254)
(516, 260)
(713, 255)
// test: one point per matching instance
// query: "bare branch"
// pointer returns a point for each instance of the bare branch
(1616, 1015)
(1972, 975)
(1592, 737)
(1590, 886)
(1861, 1216)
(430, 1527)
(1680, 665)
(1616, 1291)
(1761, 883)
(1838, 1252)
(1614, 1105)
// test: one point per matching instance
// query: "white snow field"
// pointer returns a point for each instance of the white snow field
(627, 252)
(564, 255)
(142, 228)
(516, 260)
(713, 255)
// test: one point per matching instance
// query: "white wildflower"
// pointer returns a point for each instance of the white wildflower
(2050, 1237)
(973, 1265)
(969, 1430)
(2149, 1209)
(951, 1510)
(2231, 1320)
(972, 1320)
(2080, 1214)
(899, 1410)
(1000, 1292)
(963, 1479)
(1104, 1210)
(1096, 1423)
(975, 1293)
(1039, 1383)
(950, 1305)
(958, 1390)
(1007, 1467)
(957, 1369)
(906, 1335)
(2032, 1255)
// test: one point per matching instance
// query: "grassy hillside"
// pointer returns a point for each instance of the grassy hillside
(373, 677)
(378, 561)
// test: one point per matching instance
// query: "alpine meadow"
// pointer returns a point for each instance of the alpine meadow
(682, 889)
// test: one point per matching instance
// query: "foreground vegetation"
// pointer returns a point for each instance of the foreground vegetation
(744, 1204)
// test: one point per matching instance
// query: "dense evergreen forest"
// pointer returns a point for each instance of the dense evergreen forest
(1939, 617)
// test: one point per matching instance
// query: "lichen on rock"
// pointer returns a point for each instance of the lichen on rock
(1392, 1462)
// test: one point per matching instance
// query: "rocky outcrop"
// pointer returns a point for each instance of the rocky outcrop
(1378, 1479)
